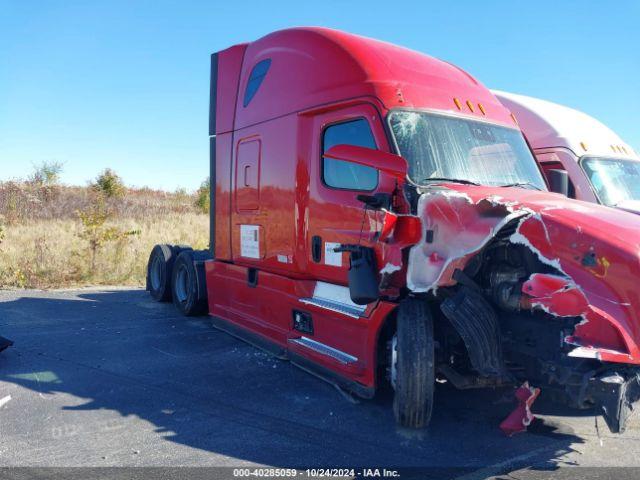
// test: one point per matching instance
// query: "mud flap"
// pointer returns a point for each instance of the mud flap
(477, 324)
(617, 398)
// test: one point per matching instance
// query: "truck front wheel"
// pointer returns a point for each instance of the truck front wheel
(412, 364)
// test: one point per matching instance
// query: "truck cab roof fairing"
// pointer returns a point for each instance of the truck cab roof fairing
(547, 124)
(314, 66)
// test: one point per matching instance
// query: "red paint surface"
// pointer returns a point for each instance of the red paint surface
(311, 67)
(266, 309)
(229, 65)
(563, 232)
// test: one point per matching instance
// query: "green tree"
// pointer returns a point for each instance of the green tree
(46, 173)
(110, 184)
(96, 231)
(203, 199)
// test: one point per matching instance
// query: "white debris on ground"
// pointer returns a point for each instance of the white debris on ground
(5, 400)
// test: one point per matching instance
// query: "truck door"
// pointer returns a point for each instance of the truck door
(337, 333)
(336, 216)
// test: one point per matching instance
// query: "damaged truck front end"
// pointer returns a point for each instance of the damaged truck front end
(524, 285)
(535, 287)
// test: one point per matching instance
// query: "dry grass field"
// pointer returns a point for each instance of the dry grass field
(54, 236)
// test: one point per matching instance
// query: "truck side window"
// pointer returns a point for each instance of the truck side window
(255, 80)
(347, 175)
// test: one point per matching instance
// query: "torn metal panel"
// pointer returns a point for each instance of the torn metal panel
(593, 252)
(560, 296)
(461, 228)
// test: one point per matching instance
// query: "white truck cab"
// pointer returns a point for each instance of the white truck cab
(600, 166)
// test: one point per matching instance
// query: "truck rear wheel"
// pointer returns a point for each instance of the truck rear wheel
(412, 367)
(189, 294)
(159, 269)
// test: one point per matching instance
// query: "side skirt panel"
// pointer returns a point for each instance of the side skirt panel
(298, 360)
(254, 339)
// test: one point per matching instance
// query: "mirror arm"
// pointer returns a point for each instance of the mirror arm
(377, 200)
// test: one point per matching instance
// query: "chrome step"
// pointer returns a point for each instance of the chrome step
(335, 298)
(323, 349)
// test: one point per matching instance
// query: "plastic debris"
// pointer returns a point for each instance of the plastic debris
(521, 417)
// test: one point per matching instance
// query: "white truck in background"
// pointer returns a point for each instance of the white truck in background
(575, 148)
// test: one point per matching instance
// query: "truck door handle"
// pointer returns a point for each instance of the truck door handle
(316, 248)
(246, 176)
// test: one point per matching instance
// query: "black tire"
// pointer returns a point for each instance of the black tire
(188, 290)
(415, 370)
(159, 270)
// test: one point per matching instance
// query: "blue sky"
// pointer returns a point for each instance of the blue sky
(124, 84)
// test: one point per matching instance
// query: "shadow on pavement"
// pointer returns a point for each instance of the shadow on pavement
(98, 375)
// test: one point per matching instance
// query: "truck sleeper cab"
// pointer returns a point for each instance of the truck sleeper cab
(378, 218)
(600, 166)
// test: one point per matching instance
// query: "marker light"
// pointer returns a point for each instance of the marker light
(470, 105)
(457, 102)
(584, 146)
(481, 107)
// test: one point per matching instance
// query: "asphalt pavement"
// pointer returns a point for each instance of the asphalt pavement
(107, 377)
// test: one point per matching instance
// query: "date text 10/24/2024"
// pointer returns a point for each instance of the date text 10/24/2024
(316, 473)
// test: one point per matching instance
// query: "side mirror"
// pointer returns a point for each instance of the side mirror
(558, 181)
(386, 163)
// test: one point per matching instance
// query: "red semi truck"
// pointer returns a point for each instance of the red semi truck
(377, 217)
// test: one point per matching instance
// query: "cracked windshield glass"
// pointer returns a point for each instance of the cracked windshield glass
(441, 147)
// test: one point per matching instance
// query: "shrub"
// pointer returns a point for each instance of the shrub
(46, 174)
(203, 200)
(96, 231)
(61, 236)
(110, 184)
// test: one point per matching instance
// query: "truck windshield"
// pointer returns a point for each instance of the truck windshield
(439, 147)
(615, 180)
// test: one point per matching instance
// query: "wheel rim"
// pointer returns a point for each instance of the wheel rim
(156, 273)
(182, 285)
(394, 361)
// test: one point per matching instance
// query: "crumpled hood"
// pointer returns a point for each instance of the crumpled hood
(594, 249)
